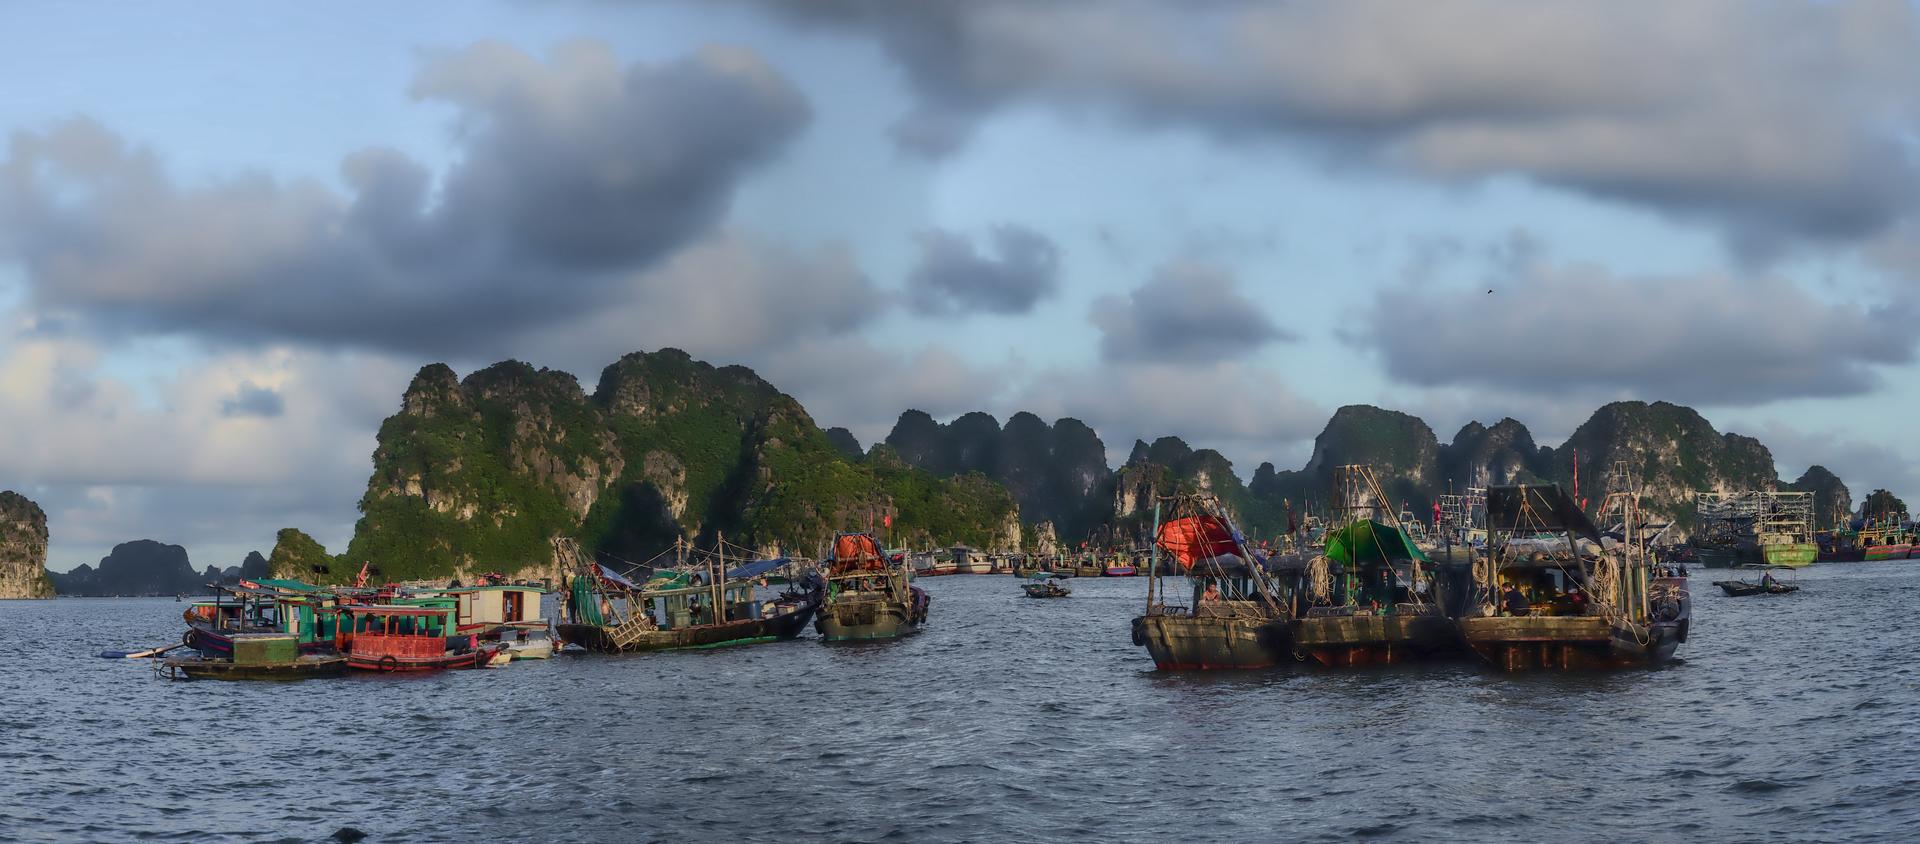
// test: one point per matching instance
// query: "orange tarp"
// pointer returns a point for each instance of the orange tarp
(857, 552)
(1196, 538)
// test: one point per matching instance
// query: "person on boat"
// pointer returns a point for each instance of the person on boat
(1514, 602)
(1211, 595)
(1766, 580)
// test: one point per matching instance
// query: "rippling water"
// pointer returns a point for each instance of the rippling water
(1792, 718)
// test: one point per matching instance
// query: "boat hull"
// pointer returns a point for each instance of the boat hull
(1718, 558)
(739, 632)
(1889, 552)
(1346, 641)
(1790, 554)
(1120, 571)
(866, 620)
(1569, 642)
(1187, 643)
(210, 669)
(396, 663)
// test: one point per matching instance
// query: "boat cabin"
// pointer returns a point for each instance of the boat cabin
(486, 610)
(400, 638)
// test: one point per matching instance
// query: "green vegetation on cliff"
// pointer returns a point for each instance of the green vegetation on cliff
(478, 475)
(23, 548)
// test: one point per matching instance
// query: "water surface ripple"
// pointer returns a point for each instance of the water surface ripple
(1791, 718)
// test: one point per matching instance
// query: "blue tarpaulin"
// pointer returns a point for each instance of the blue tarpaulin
(756, 568)
(614, 577)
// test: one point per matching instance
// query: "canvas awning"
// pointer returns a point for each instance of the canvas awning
(1196, 538)
(1371, 541)
(1537, 508)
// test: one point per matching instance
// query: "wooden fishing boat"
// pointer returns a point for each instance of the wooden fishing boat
(390, 638)
(868, 594)
(1237, 612)
(1741, 588)
(302, 610)
(606, 612)
(1374, 596)
(1553, 594)
(1119, 565)
(257, 656)
(488, 609)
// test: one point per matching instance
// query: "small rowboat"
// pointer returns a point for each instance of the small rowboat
(1765, 586)
(1045, 589)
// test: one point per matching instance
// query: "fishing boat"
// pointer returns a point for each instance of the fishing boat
(527, 644)
(1120, 564)
(1044, 586)
(868, 594)
(256, 656)
(290, 607)
(1554, 593)
(1375, 597)
(607, 612)
(1766, 585)
(1087, 564)
(1236, 610)
(489, 608)
(1784, 529)
(1885, 538)
(390, 638)
(969, 561)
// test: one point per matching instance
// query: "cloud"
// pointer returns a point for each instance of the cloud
(952, 277)
(572, 174)
(1581, 331)
(114, 457)
(1767, 119)
(1864, 466)
(1187, 313)
(253, 400)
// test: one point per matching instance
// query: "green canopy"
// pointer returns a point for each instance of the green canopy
(1371, 541)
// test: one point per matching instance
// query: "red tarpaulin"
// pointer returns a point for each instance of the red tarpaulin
(857, 552)
(1196, 538)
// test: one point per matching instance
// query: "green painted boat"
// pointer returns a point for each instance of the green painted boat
(1790, 554)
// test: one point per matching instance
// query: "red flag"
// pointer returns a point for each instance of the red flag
(887, 519)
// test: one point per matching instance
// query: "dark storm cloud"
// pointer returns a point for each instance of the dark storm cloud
(1768, 119)
(572, 174)
(253, 400)
(952, 277)
(1188, 313)
(1698, 339)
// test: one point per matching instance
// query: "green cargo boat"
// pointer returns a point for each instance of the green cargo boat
(1790, 554)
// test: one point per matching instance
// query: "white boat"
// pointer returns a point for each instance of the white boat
(530, 644)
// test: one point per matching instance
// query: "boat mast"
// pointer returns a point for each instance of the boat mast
(1153, 557)
(718, 569)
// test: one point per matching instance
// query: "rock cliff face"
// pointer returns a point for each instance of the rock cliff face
(1881, 504)
(23, 548)
(1057, 473)
(1170, 466)
(478, 474)
(140, 567)
(1832, 502)
(1672, 450)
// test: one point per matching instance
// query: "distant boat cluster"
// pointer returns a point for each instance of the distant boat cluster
(1518, 576)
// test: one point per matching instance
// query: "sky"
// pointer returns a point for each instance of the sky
(231, 232)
